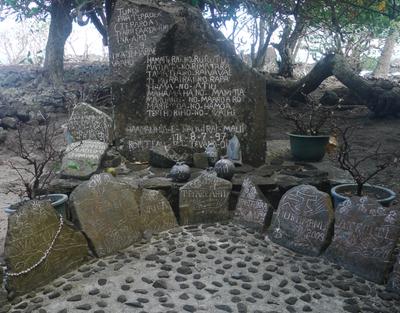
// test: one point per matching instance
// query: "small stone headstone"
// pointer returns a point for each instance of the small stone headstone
(31, 230)
(252, 208)
(365, 238)
(155, 212)
(83, 159)
(204, 200)
(303, 221)
(394, 279)
(89, 123)
(107, 211)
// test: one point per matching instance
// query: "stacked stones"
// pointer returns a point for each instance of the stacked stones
(90, 132)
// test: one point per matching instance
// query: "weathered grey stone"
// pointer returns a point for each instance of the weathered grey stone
(394, 280)
(303, 221)
(3, 135)
(89, 123)
(177, 81)
(365, 237)
(31, 230)
(63, 185)
(155, 212)
(166, 157)
(107, 211)
(252, 208)
(200, 160)
(83, 159)
(9, 122)
(204, 200)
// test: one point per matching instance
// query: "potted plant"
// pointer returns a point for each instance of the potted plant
(362, 164)
(38, 158)
(312, 123)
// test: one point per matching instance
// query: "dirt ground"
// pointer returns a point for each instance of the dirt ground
(372, 131)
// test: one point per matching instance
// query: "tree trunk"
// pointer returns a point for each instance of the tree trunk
(380, 96)
(383, 66)
(60, 29)
(287, 46)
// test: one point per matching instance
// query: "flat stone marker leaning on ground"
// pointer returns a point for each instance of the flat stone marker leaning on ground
(365, 238)
(252, 208)
(82, 159)
(107, 211)
(88, 123)
(205, 200)
(31, 230)
(303, 221)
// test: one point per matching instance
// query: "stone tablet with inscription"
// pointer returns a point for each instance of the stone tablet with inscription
(155, 212)
(89, 123)
(31, 230)
(303, 221)
(83, 159)
(178, 82)
(205, 200)
(107, 211)
(394, 279)
(252, 208)
(365, 237)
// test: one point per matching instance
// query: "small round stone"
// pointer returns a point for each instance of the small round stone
(122, 299)
(291, 300)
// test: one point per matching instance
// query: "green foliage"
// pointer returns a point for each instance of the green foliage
(369, 63)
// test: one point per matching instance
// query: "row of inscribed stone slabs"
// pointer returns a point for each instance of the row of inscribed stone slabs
(178, 82)
(113, 214)
(365, 233)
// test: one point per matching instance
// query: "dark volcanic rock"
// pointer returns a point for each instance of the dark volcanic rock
(303, 221)
(33, 227)
(365, 237)
(179, 82)
(204, 200)
(107, 211)
(252, 208)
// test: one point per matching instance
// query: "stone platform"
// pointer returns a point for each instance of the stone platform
(208, 268)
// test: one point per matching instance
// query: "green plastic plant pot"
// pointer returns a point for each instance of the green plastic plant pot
(308, 148)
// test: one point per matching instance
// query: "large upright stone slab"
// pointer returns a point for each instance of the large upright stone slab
(83, 159)
(303, 221)
(178, 82)
(31, 231)
(252, 208)
(204, 200)
(155, 212)
(88, 123)
(107, 211)
(365, 237)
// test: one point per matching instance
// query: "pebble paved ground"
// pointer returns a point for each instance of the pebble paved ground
(209, 268)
